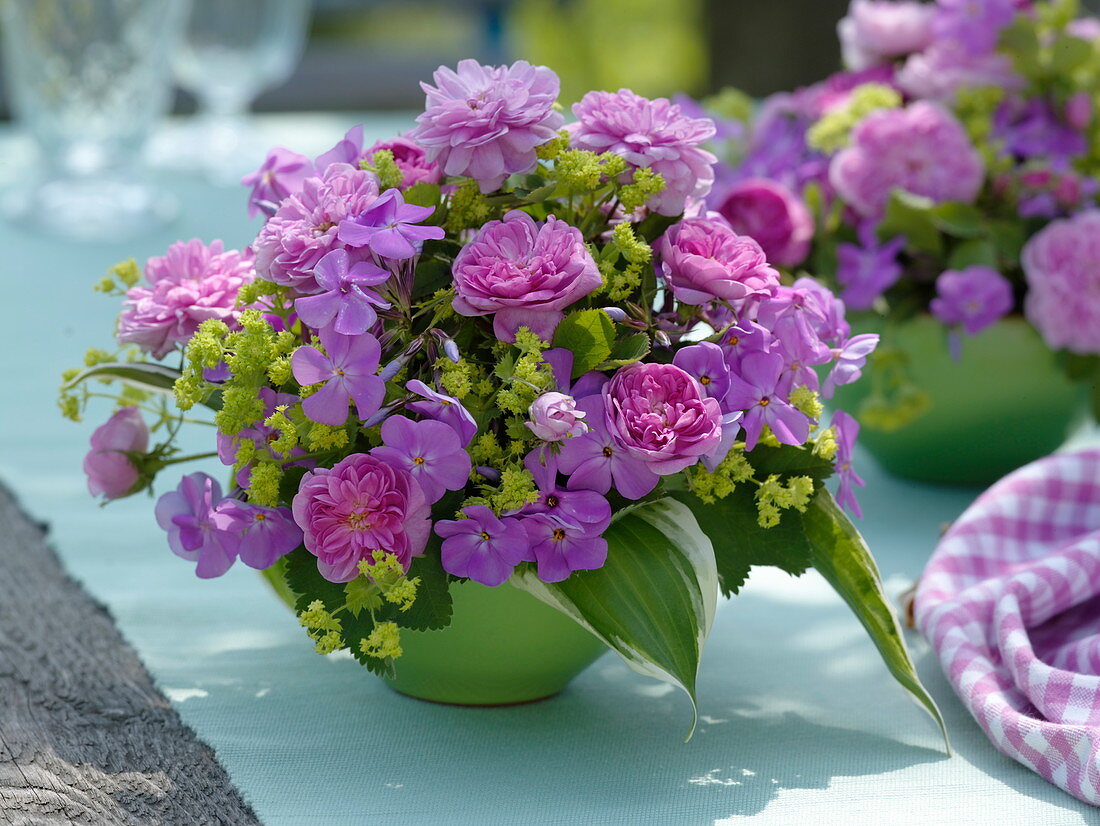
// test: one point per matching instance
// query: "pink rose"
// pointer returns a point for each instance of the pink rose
(661, 415)
(774, 216)
(361, 505)
(554, 416)
(411, 159)
(877, 31)
(110, 471)
(1062, 266)
(526, 272)
(703, 259)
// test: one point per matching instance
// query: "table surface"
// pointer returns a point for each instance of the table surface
(799, 717)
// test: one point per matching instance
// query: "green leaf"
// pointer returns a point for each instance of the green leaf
(970, 253)
(1068, 54)
(146, 376)
(431, 275)
(628, 350)
(739, 541)
(423, 194)
(911, 216)
(789, 461)
(432, 608)
(653, 601)
(1009, 238)
(840, 555)
(959, 220)
(589, 334)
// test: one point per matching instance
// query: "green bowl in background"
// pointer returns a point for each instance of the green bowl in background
(1003, 404)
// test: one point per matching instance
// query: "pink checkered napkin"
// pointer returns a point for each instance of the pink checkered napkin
(1011, 602)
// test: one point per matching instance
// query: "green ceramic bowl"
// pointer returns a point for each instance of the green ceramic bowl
(502, 647)
(1003, 404)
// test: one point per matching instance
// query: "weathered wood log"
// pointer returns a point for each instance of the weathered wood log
(85, 737)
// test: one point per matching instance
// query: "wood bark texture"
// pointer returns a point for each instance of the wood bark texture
(85, 737)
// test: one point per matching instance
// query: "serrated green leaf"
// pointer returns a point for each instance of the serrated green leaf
(654, 599)
(976, 251)
(960, 220)
(627, 350)
(361, 594)
(911, 216)
(740, 544)
(423, 194)
(432, 608)
(839, 554)
(589, 335)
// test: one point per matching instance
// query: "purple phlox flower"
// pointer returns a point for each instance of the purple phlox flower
(830, 323)
(973, 25)
(388, 227)
(346, 303)
(429, 450)
(279, 176)
(348, 369)
(1032, 129)
(486, 121)
(743, 338)
(731, 426)
(554, 417)
(261, 435)
(797, 304)
(846, 429)
(349, 150)
(707, 364)
(868, 269)
(442, 408)
(972, 299)
(595, 461)
(801, 354)
(188, 515)
(561, 546)
(755, 390)
(263, 534)
(217, 375)
(586, 508)
(778, 149)
(849, 360)
(483, 547)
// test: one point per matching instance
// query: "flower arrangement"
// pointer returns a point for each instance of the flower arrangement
(497, 349)
(950, 171)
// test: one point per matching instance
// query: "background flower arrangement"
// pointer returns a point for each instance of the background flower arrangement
(497, 349)
(950, 171)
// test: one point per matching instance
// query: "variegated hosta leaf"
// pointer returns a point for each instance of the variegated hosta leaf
(653, 601)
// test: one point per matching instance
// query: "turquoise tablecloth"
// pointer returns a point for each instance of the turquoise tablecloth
(800, 720)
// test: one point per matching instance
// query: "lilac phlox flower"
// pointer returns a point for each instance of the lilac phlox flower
(429, 450)
(347, 303)
(849, 359)
(596, 462)
(586, 508)
(755, 389)
(868, 269)
(483, 547)
(348, 369)
(349, 150)
(188, 514)
(263, 534)
(804, 307)
(442, 408)
(261, 435)
(388, 227)
(486, 121)
(743, 338)
(972, 24)
(279, 176)
(1032, 129)
(561, 547)
(829, 323)
(707, 364)
(972, 299)
(846, 429)
(801, 354)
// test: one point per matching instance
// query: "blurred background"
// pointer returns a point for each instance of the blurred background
(369, 54)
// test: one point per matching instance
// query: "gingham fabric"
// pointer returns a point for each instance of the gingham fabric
(1011, 602)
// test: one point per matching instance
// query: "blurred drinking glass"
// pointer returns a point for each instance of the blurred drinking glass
(87, 80)
(232, 50)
